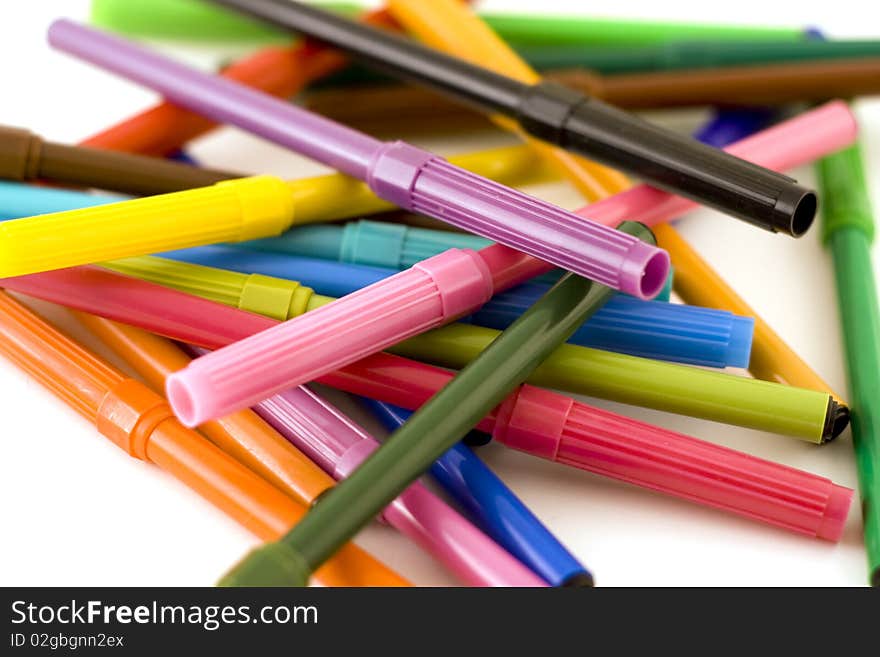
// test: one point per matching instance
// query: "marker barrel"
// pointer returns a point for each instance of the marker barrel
(229, 211)
(277, 298)
(180, 18)
(438, 425)
(672, 463)
(242, 435)
(848, 230)
(19, 200)
(26, 156)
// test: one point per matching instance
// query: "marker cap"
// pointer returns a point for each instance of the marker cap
(548, 425)
(295, 352)
(273, 297)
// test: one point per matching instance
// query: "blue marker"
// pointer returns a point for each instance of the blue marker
(495, 509)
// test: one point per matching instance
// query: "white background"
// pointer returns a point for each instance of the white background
(78, 511)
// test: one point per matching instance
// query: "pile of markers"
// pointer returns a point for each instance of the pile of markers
(472, 315)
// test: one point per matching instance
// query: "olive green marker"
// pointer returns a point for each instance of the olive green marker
(848, 230)
(444, 420)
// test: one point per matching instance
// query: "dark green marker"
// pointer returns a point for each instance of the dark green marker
(433, 429)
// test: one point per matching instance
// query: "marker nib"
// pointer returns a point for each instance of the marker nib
(836, 420)
(581, 580)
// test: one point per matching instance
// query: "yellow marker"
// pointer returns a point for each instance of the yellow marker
(450, 26)
(230, 211)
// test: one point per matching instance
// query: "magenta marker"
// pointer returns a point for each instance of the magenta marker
(407, 176)
(339, 446)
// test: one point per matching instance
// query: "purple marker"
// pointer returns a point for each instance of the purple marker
(407, 176)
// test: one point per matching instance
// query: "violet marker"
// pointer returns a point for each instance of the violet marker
(407, 176)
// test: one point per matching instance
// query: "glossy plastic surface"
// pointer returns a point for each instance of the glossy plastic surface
(176, 18)
(185, 19)
(273, 297)
(242, 435)
(561, 116)
(436, 427)
(233, 210)
(690, 55)
(278, 71)
(671, 332)
(22, 200)
(451, 27)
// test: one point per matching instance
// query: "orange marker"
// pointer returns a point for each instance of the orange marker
(140, 422)
(243, 435)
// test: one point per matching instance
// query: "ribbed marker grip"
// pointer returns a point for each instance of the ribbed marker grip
(273, 297)
(230, 211)
(302, 349)
(617, 260)
(650, 329)
(560, 429)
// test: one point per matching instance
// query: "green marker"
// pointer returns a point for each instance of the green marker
(694, 55)
(444, 420)
(526, 30)
(195, 20)
(848, 230)
(192, 20)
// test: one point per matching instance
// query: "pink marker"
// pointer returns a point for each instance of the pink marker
(558, 428)
(429, 294)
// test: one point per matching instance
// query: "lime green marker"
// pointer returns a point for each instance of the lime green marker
(196, 20)
(805, 414)
(848, 230)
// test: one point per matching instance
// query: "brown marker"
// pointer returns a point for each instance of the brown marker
(26, 156)
(378, 107)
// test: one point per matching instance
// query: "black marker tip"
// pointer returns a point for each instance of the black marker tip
(581, 580)
(836, 420)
